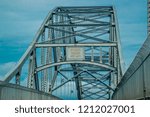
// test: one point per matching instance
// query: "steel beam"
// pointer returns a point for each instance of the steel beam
(75, 62)
(112, 44)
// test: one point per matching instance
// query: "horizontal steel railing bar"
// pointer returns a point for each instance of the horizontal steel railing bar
(83, 12)
(70, 70)
(72, 25)
(113, 44)
(78, 7)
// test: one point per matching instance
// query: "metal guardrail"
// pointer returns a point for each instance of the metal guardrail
(136, 77)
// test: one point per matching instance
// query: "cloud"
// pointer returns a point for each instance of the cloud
(5, 68)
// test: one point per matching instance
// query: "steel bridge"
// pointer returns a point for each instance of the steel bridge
(76, 54)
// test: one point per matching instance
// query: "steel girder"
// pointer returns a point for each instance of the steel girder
(75, 54)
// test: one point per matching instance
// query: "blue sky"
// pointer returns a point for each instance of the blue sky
(20, 19)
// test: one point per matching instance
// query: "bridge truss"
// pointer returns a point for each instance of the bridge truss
(75, 54)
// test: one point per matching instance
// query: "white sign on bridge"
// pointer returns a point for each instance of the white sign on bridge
(75, 53)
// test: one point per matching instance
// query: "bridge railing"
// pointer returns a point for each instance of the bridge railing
(135, 82)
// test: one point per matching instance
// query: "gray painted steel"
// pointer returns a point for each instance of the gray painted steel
(95, 29)
(16, 92)
(135, 83)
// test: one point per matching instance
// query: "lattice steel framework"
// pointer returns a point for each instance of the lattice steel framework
(75, 54)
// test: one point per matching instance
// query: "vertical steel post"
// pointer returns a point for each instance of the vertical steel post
(18, 77)
(31, 68)
(43, 74)
(101, 55)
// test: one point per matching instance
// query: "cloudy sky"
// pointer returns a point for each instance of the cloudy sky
(20, 19)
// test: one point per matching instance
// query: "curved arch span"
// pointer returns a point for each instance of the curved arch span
(75, 62)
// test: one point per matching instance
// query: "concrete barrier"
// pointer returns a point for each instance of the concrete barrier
(15, 92)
